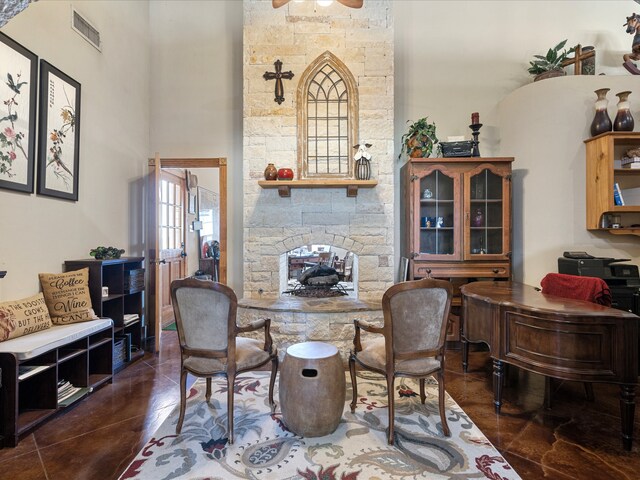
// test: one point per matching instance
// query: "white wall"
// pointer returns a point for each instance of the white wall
(451, 59)
(544, 124)
(455, 58)
(196, 92)
(38, 234)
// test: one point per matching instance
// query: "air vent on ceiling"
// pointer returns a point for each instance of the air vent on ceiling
(85, 29)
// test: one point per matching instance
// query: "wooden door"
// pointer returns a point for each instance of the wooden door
(171, 239)
(157, 281)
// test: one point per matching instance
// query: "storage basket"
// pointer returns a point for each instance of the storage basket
(134, 280)
(121, 351)
(457, 149)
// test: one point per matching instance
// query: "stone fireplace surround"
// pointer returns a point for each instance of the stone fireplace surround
(297, 34)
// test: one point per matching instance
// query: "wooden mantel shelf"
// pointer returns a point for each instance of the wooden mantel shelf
(284, 186)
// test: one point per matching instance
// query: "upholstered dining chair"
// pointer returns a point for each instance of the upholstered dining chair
(409, 344)
(210, 344)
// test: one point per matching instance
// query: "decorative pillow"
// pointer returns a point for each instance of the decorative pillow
(20, 317)
(67, 296)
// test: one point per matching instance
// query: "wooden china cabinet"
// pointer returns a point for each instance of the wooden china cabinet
(457, 222)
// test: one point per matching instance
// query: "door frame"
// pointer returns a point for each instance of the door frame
(155, 165)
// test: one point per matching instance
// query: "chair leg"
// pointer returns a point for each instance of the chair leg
(354, 384)
(231, 380)
(423, 396)
(548, 387)
(183, 399)
(390, 397)
(588, 391)
(272, 382)
(208, 394)
(443, 416)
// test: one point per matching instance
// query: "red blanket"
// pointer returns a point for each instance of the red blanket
(591, 289)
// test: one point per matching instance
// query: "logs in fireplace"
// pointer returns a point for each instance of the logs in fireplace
(318, 281)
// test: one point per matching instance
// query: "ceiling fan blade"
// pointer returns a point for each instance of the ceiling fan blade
(350, 3)
(279, 3)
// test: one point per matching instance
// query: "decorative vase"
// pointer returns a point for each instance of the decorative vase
(601, 122)
(478, 219)
(271, 172)
(285, 174)
(363, 169)
(624, 119)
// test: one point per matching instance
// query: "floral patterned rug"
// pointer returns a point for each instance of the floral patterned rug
(357, 450)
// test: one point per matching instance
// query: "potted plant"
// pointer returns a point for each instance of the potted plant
(419, 139)
(550, 65)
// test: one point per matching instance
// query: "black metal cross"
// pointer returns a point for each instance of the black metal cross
(278, 75)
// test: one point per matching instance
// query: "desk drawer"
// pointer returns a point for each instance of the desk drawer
(448, 270)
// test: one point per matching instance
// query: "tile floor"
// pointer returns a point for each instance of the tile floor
(577, 439)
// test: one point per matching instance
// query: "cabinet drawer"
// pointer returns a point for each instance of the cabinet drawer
(447, 270)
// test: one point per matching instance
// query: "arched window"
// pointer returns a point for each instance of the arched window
(327, 103)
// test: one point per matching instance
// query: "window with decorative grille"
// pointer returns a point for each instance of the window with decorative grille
(327, 124)
(327, 119)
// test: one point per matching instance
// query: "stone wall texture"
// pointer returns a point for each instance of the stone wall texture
(297, 34)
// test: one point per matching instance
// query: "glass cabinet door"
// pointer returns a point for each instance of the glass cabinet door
(438, 230)
(487, 213)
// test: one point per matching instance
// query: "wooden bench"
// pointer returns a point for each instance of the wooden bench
(33, 365)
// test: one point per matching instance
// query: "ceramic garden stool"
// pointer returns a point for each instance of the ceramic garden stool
(312, 389)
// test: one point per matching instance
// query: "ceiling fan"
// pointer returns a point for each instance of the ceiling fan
(346, 3)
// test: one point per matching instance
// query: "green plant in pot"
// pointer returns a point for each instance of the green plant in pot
(420, 139)
(550, 65)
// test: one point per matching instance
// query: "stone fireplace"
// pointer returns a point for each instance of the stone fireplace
(297, 35)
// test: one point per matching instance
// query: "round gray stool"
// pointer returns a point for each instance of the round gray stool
(312, 389)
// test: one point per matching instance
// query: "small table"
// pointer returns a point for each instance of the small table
(312, 389)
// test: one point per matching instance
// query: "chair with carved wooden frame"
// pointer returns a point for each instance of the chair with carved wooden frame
(210, 344)
(412, 342)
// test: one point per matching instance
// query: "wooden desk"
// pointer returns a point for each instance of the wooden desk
(554, 336)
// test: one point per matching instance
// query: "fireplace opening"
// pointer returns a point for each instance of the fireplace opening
(319, 271)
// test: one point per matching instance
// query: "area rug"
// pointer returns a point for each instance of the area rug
(171, 327)
(357, 450)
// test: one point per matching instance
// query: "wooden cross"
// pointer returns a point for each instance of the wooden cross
(278, 75)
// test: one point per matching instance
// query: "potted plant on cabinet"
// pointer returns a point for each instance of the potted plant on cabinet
(550, 65)
(420, 139)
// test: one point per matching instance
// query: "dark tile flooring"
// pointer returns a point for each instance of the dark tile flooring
(577, 439)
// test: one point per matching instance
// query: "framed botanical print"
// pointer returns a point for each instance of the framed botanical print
(18, 77)
(59, 134)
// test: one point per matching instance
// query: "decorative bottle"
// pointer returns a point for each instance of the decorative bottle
(271, 172)
(601, 121)
(624, 119)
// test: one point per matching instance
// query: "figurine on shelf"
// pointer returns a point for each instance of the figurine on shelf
(633, 27)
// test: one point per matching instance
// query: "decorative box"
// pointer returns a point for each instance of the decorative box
(457, 149)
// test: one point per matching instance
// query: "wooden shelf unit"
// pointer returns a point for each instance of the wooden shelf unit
(124, 297)
(459, 250)
(27, 402)
(603, 155)
(284, 186)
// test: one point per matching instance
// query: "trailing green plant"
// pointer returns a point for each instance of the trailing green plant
(551, 61)
(419, 139)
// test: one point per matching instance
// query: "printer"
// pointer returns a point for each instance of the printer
(622, 278)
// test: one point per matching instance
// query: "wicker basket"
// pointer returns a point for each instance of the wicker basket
(134, 280)
(121, 350)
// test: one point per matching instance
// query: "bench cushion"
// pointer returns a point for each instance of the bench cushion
(35, 344)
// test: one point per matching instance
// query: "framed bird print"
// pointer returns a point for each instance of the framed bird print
(18, 77)
(59, 134)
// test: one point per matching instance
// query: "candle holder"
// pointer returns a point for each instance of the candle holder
(475, 131)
